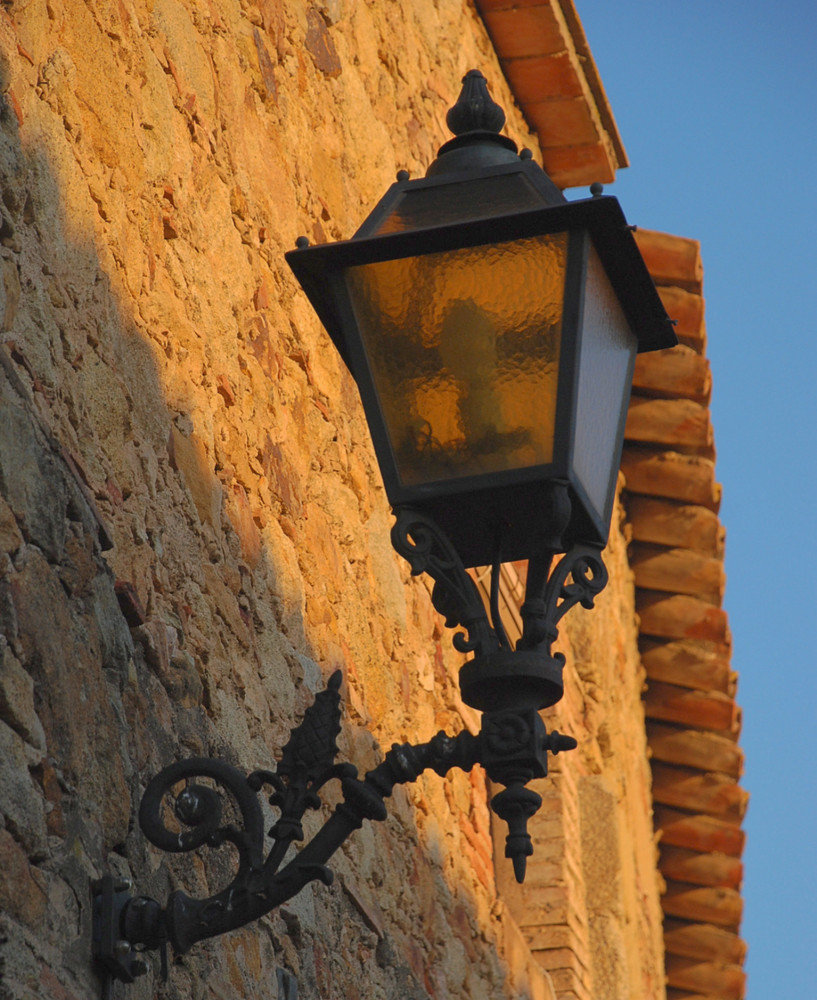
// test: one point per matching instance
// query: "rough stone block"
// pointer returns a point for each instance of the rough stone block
(21, 802)
(22, 888)
(30, 479)
(17, 699)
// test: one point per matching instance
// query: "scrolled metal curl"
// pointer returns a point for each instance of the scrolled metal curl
(590, 577)
(549, 597)
(199, 808)
(423, 545)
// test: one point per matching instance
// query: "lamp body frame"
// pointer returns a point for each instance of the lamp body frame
(474, 509)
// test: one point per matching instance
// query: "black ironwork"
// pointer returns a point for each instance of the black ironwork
(475, 110)
(481, 192)
(418, 539)
(124, 925)
(508, 685)
(115, 955)
(541, 513)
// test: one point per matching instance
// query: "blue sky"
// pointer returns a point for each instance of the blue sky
(716, 101)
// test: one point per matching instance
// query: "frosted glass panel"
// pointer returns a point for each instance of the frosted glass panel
(464, 351)
(607, 352)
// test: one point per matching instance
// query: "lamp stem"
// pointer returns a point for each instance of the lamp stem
(496, 614)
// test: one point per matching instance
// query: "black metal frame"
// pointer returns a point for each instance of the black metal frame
(471, 509)
(601, 216)
(537, 188)
(511, 497)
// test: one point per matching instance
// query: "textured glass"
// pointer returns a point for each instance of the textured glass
(464, 351)
(607, 351)
(440, 204)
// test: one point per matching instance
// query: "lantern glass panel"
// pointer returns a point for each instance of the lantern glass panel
(463, 347)
(607, 354)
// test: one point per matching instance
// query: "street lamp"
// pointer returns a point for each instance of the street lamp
(491, 327)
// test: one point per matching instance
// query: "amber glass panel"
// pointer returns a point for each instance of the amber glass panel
(607, 352)
(464, 351)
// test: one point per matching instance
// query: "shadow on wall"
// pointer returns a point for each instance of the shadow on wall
(186, 530)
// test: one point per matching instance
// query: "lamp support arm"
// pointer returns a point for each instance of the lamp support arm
(507, 686)
(126, 925)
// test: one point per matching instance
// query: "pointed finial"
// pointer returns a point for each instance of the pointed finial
(520, 864)
(475, 111)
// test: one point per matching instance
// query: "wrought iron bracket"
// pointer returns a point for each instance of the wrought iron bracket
(114, 941)
(508, 685)
(512, 746)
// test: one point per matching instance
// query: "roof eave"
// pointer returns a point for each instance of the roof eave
(548, 64)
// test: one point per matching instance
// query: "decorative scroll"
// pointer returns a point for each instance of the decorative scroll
(584, 564)
(427, 550)
(199, 809)
(307, 763)
(549, 598)
(512, 746)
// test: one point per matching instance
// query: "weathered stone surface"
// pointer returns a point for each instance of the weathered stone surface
(10, 537)
(29, 480)
(17, 698)
(22, 888)
(170, 388)
(22, 808)
(9, 290)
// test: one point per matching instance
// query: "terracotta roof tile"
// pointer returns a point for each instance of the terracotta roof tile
(693, 720)
(547, 62)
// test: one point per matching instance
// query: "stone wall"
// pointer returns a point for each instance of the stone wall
(193, 534)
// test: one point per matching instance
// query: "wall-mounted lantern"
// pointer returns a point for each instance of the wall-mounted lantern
(491, 327)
